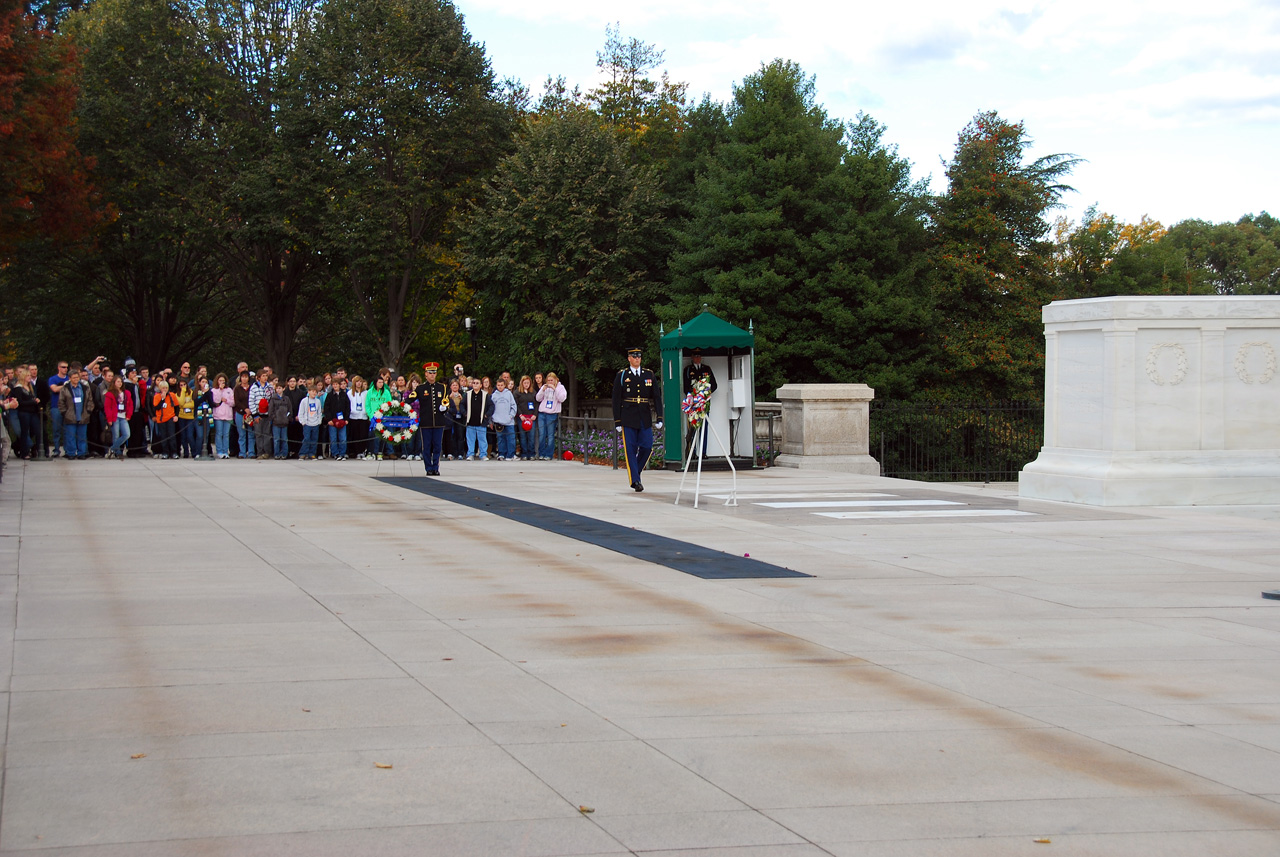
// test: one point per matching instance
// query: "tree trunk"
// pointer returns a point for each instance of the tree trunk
(571, 374)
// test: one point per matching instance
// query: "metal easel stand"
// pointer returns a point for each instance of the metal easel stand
(697, 484)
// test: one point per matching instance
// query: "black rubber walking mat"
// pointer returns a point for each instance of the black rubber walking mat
(681, 556)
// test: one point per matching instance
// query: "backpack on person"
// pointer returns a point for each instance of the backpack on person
(281, 411)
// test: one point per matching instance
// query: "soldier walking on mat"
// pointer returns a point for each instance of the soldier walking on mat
(635, 390)
(433, 405)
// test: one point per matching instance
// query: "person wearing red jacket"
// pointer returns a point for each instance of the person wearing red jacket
(117, 407)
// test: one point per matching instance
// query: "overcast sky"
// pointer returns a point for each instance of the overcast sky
(1174, 105)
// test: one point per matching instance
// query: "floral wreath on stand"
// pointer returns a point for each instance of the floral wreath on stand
(695, 404)
(398, 411)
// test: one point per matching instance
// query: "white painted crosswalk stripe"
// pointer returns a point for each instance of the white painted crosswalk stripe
(844, 504)
(788, 495)
(870, 505)
(924, 513)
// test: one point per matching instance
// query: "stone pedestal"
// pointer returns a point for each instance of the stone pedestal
(1160, 401)
(826, 426)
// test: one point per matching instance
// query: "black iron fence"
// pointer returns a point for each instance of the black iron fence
(593, 440)
(956, 442)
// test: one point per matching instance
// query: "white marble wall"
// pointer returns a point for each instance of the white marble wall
(827, 426)
(1160, 401)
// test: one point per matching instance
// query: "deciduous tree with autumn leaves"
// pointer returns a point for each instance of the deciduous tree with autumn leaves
(45, 188)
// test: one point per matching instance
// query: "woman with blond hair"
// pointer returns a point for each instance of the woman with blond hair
(23, 390)
(358, 426)
(550, 402)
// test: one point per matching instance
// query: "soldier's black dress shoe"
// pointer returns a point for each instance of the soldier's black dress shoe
(637, 486)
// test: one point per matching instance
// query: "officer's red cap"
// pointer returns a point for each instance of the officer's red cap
(430, 367)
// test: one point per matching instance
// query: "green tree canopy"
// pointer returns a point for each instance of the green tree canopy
(806, 228)
(149, 112)
(272, 197)
(648, 112)
(561, 248)
(402, 110)
(992, 262)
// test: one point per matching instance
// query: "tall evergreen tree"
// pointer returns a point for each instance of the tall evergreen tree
(649, 113)
(810, 240)
(992, 262)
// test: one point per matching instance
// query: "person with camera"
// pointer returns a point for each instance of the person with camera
(550, 397)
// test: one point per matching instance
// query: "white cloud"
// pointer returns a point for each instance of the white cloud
(1224, 98)
(1168, 81)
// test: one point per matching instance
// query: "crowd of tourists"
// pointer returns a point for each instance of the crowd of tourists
(96, 410)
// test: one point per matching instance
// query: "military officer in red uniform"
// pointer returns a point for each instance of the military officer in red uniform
(635, 392)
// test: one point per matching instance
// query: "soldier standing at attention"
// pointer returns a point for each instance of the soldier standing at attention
(433, 402)
(695, 370)
(635, 390)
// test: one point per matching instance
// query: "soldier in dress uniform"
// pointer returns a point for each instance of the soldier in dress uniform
(635, 391)
(433, 404)
(695, 370)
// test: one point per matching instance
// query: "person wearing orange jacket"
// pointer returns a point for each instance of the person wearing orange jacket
(164, 409)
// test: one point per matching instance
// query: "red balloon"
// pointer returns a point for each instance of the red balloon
(568, 455)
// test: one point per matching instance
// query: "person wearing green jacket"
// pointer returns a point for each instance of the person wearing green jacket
(376, 397)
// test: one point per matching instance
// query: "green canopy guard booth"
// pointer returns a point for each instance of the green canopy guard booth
(730, 352)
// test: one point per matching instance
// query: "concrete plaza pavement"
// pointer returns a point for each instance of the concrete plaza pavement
(215, 658)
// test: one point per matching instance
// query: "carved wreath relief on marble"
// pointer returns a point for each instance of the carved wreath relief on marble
(1241, 363)
(1268, 363)
(1180, 368)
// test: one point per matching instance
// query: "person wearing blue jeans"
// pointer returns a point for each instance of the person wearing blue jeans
(504, 415)
(221, 435)
(550, 399)
(309, 437)
(241, 403)
(246, 437)
(55, 384)
(477, 442)
(75, 440)
(119, 437)
(76, 403)
(476, 408)
(337, 407)
(280, 437)
(546, 426)
(506, 441)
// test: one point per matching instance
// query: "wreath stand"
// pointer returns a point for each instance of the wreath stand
(698, 435)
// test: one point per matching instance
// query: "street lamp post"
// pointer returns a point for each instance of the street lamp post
(470, 324)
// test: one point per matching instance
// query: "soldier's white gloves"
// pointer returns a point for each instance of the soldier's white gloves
(443, 409)
(617, 428)
(658, 424)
